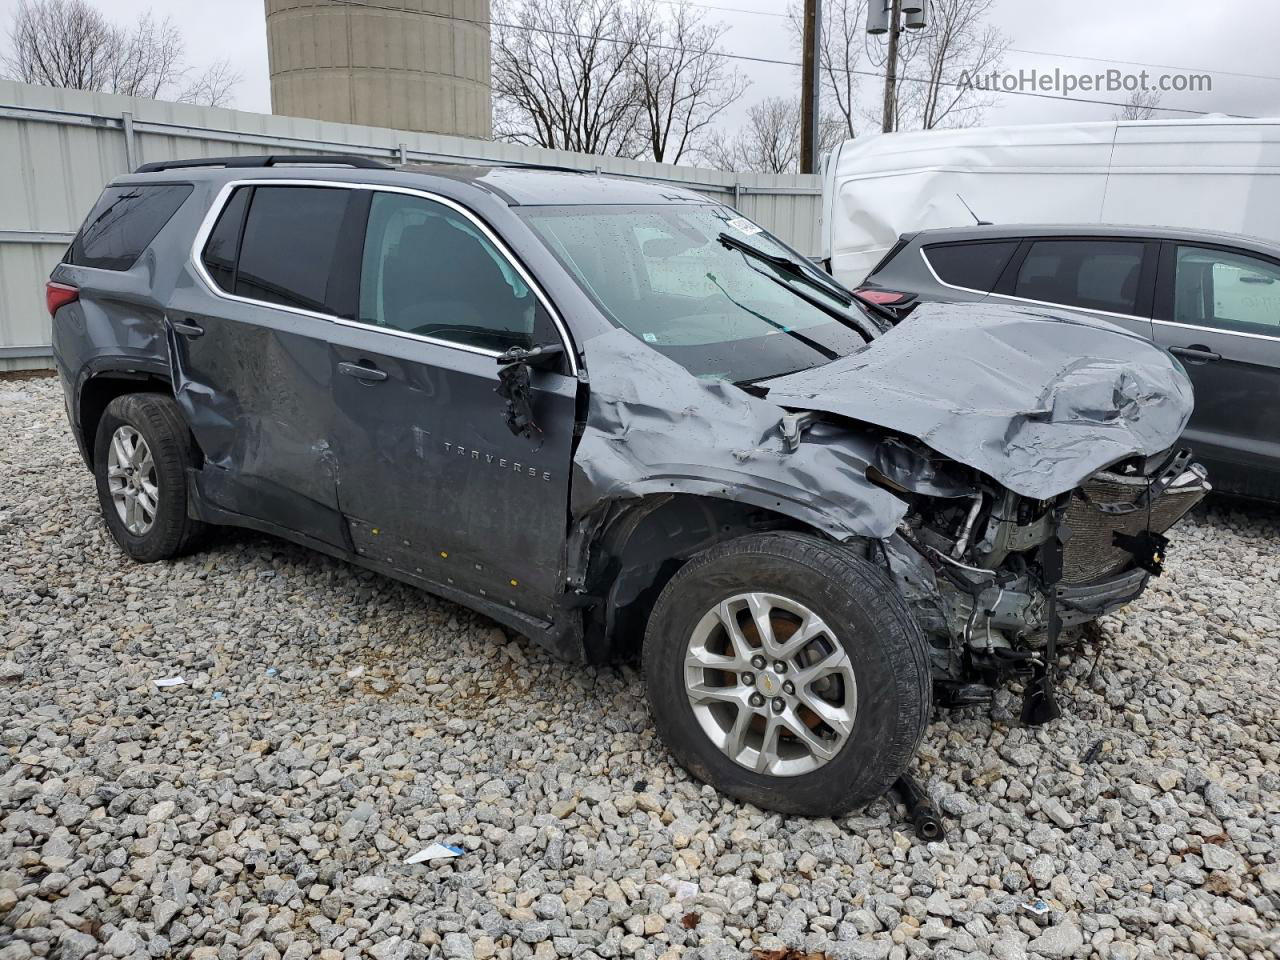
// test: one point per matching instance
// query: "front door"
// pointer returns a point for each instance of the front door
(251, 356)
(1218, 311)
(430, 478)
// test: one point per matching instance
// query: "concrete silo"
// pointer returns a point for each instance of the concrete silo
(408, 64)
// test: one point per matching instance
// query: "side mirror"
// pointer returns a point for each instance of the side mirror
(542, 356)
(514, 387)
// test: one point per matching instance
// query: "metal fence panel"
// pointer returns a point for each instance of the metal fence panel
(59, 148)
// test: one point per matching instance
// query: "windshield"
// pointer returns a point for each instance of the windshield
(663, 273)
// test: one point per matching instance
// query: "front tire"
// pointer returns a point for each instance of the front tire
(787, 672)
(141, 454)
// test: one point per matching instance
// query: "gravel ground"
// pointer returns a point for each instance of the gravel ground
(333, 722)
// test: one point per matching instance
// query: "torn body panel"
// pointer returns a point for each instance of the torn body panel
(653, 428)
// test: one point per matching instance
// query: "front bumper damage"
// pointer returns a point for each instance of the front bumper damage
(1000, 612)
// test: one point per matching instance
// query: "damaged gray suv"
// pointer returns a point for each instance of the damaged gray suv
(623, 420)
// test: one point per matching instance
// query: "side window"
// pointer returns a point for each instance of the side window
(976, 266)
(123, 222)
(1093, 274)
(429, 270)
(1213, 288)
(220, 249)
(291, 252)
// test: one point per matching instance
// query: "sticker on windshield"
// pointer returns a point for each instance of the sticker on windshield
(745, 226)
(650, 337)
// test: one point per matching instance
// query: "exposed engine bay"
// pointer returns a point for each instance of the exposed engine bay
(994, 577)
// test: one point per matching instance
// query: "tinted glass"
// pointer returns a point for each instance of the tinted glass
(1093, 274)
(289, 254)
(123, 222)
(220, 249)
(974, 265)
(661, 272)
(1213, 288)
(428, 270)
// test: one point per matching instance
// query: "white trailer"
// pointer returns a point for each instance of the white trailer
(1219, 174)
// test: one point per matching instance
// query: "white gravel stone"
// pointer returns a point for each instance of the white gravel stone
(257, 816)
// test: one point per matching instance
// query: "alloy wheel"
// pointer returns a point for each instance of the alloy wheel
(770, 684)
(131, 480)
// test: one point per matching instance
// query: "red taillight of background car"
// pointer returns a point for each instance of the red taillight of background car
(59, 295)
(883, 298)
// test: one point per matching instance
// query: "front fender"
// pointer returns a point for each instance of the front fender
(652, 428)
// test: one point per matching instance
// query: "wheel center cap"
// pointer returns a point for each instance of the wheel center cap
(768, 683)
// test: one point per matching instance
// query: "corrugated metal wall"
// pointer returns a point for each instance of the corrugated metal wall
(59, 148)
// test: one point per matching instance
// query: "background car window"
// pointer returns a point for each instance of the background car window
(1093, 274)
(123, 222)
(289, 254)
(220, 249)
(1229, 290)
(976, 266)
(428, 270)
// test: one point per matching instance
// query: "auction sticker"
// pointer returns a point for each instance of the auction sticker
(745, 226)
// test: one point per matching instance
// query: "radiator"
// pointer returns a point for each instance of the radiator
(1089, 553)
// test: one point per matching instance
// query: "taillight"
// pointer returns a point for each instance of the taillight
(879, 297)
(59, 295)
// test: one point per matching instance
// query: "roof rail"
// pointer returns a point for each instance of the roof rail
(274, 160)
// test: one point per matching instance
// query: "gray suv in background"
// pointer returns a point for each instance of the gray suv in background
(624, 421)
(1211, 299)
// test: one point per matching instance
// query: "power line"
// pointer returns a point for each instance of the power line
(1139, 63)
(736, 56)
(1037, 53)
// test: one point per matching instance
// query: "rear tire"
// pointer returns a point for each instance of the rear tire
(141, 454)
(844, 664)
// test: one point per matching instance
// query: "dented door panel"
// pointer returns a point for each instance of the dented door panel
(254, 387)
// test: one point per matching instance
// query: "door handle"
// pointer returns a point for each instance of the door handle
(1195, 353)
(361, 371)
(188, 328)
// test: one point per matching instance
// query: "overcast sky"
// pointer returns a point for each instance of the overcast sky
(1211, 36)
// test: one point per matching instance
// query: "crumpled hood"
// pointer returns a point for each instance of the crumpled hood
(1035, 399)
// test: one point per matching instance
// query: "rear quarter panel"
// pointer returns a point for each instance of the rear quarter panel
(117, 325)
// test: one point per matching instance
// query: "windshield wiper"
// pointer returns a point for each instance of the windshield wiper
(788, 266)
(809, 342)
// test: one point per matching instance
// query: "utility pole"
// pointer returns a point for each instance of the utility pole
(891, 69)
(812, 79)
(886, 17)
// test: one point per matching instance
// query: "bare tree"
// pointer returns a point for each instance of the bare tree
(69, 43)
(770, 140)
(146, 60)
(60, 43)
(213, 88)
(840, 53)
(1141, 105)
(683, 82)
(957, 42)
(563, 76)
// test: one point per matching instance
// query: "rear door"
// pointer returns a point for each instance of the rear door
(250, 349)
(1218, 311)
(1111, 278)
(430, 478)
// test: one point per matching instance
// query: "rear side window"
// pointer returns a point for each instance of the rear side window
(290, 251)
(294, 246)
(1092, 274)
(976, 266)
(123, 222)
